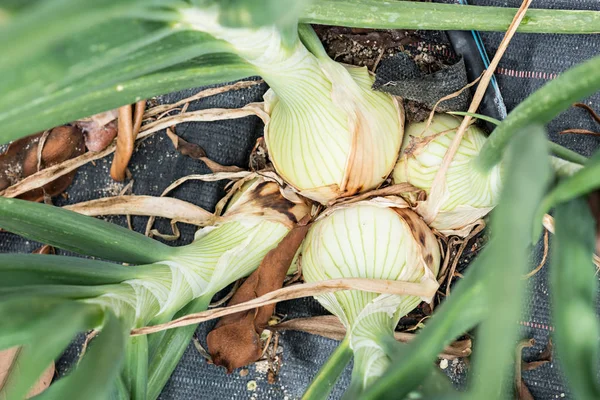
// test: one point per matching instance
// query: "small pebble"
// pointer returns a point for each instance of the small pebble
(444, 363)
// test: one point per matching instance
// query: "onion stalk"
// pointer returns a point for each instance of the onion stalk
(249, 222)
(327, 132)
(377, 239)
(470, 193)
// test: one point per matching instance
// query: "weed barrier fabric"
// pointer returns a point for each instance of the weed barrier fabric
(531, 60)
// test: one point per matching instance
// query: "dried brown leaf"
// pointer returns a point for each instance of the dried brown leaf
(196, 152)
(8, 360)
(523, 392)
(424, 290)
(45, 249)
(54, 172)
(99, 130)
(125, 141)
(165, 207)
(329, 326)
(235, 341)
(22, 159)
(545, 357)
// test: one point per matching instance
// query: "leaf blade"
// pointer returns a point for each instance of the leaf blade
(574, 291)
(78, 233)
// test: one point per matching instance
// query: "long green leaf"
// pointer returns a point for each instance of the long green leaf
(412, 363)
(322, 384)
(23, 317)
(66, 106)
(541, 107)
(574, 287)
(34, 357)
(135, 369)
(414, 15)
(95, 375)
(170, 348)
(527, 176)
(36, 269)
(469, 304)
(85, 235)
(66, 292)
(582, 182)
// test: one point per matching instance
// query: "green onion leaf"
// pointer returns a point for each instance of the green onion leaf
(169, 348)
(582, 182)
(574, 292)
(541, 107)
(322, 384)
(528, 174)
(49, 341)
(135, 371)
(95, 375)
(37, 269)
(469, 304)
(415, 15)
(85, 235)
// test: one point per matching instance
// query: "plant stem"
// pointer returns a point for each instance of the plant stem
(566, 154)
(323, 382)
(413, 15)
(542, 106)
(171, 348)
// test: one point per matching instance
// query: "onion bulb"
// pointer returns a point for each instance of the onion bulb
(470, 194)
(327, 132)
(255, 218)
(370, 239)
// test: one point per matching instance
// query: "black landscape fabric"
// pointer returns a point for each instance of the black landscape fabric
(531, 60)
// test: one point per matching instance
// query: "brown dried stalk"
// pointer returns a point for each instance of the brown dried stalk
(200, 95)
(329, 326)
(165, 207)
(52, 173)
(125, 141)
(424, 290)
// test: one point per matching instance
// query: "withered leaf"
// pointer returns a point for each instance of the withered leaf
(9, 360)
(99, 130)
(235, 341)
(45, 249)
(196, 152)
(523, 392)
(544, 358)
(21, 159)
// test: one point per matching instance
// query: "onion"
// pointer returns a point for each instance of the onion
(370, 239)
(255, 219)
(328, 134)
(470, 194)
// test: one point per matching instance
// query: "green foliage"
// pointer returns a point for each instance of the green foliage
(255, 13)
(43, 336)
(483, 295)
(75, 232)
(436, 16)
(322, 384)
(541, 107)
(169, 346)
(35, 269)
(94, 376)
(574, 290)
